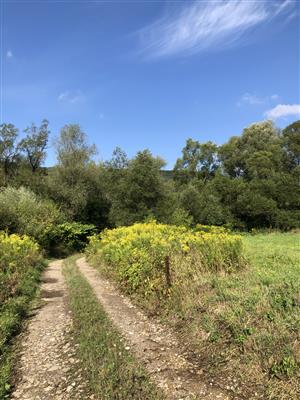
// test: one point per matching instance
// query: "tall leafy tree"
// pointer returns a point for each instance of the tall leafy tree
(291, 140)
(199, 160)
(259, 147)
(67, 180)
(35, 143)
(140, 192)
(119, 159)
(76, 182)
(72, 147)
(9, 148)
(254, 180)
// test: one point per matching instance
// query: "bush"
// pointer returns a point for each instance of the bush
(212, 229)
(68, 237)
(140, 256)
(17, 255)
(22, 212)
(20, 267)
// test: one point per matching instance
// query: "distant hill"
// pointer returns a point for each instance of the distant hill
(166, 173)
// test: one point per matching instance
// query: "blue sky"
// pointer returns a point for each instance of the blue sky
(150, 74)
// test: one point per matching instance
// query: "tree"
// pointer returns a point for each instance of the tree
(197, 161)
(119, 159)
(252, 180)
(34, 144)
(114, 171)
(231, 158)
(255, 209)
(258, 147)
(75, 183)
(140, 192)
(9, 149)
(261, 165)
(190, 200)
(72, 147)
(291, 141)
(203, 203)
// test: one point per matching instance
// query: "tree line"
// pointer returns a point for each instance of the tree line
(251, 181)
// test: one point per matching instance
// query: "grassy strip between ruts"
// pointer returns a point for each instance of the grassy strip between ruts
(112, 372)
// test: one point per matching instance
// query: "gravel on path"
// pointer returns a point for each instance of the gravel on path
(47, 367)
(153, 344)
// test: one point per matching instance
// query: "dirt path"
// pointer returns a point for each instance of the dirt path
(153, 344)
(48, 368)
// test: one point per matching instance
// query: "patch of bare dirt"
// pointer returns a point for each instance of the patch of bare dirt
(153, 344)
(48, 367)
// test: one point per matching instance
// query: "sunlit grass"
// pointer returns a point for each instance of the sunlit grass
(249, 320)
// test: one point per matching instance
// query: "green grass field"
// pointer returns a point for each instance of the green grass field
(245, 326)
(275, 293)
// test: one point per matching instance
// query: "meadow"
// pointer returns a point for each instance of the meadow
(240, 320)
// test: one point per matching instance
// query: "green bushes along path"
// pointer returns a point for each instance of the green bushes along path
(20, 268)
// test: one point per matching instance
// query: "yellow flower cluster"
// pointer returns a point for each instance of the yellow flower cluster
(136, 255)
(18, 254)
(16, 251)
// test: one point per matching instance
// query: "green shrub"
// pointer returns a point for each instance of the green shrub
(20, 268)
(139, 256)
(68, 237)
(17, 255)
(22, 212)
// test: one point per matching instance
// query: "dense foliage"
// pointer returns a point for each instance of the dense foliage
(143, 257)
(20, 267)
(251, 181)
(23, 212)
(17, 254)
(69, 237)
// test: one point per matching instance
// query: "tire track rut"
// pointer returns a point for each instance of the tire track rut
(152, 344)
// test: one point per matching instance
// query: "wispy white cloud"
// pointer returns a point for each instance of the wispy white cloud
(254, 100)
(9, 54)
(201, 25)
(71, 97)
(283, 110)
